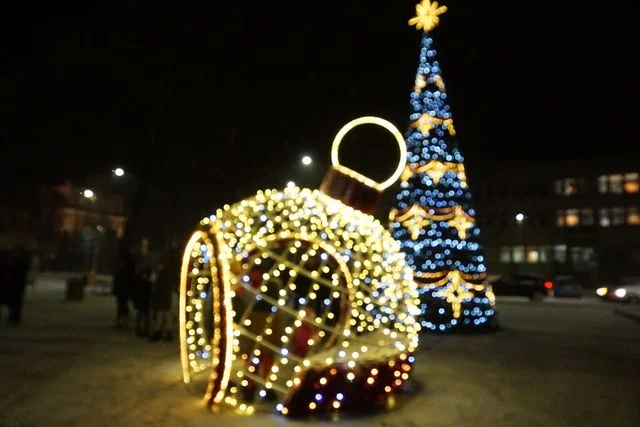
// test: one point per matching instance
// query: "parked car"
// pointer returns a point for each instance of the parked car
(566, 287)
(532, 286)
(624, 293)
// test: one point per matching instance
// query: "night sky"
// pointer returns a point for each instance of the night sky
(232, 96)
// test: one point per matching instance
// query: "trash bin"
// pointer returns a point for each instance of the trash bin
(75, 288)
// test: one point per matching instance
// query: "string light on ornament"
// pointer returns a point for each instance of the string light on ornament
(301, 296)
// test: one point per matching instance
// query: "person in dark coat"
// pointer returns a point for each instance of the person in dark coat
(142, 301)
(4, 278)
(123, 281)
(17, 282)
(165, 286)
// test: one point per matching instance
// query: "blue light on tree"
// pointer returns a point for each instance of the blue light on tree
(433, 216)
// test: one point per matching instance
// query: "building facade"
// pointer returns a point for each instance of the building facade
(80, 229)
(574, 217)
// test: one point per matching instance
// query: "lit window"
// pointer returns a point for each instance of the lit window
(605, 217)
(631, 183)
(603, 186)
(557, 187)
(569, 186)
(618, 217)
(560, 253)
(572, 219)
(533, 255)
(544, 254)
(586, 217)
(588, 254)
(560, 219)
(615, 183)
(518, 254)
(505, 254)
(633, 216)
(581, 254)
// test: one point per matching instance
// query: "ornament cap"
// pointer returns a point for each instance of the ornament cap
(370, 120)
(351, 187)
(352, 190)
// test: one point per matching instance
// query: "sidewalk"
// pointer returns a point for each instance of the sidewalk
(65, 366)
(57, 281)
(584, 301)
(630, 311)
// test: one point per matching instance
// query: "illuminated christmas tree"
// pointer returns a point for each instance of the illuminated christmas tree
(433, 216)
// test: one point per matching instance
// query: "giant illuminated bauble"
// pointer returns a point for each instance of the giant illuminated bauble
(299, 299)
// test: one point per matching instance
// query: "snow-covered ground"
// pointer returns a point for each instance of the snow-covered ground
(553, 365)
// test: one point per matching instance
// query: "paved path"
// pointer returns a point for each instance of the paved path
(553, 365)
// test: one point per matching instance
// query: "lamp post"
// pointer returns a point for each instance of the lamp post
(90, 195)
(133, 206)
(520, 219)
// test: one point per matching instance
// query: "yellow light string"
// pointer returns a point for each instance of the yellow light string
(373, 278)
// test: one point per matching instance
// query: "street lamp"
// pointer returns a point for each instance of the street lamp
(91, 196)
(118, 172)
(307, 160)
(519, 220)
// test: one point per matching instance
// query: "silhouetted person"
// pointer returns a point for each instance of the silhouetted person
(4, 278)
(17, 282)
(142, 301)
(123, 281)
(162, 299)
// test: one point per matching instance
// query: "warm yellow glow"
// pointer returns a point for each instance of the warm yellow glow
(373, 121)
(461, 222)
(414, 220)
(632, 186)
(427, 15)
(417, 217)
(427, 122)
(222, 308)
(186, 277)
(456, 290)
(602, 291)
(435, 170)
(419, 84)
(341, 265)
(572, 219)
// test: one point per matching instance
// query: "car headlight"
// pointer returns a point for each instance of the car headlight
(602, 291)
(620, 292)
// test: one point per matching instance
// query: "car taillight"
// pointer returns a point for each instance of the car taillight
(548, 285)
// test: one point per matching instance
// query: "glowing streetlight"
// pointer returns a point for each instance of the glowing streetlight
(88, 193)
(307, 160)
(291, 184)
(118, 172)
(520, 217)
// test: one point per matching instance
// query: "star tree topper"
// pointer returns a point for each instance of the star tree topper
(427, 15)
